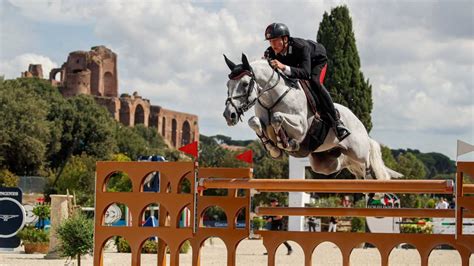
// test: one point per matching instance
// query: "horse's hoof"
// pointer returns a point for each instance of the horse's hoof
(293, 145)
(276, 154)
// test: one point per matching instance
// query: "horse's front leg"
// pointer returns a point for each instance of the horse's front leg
(255, 124)
(290, 129)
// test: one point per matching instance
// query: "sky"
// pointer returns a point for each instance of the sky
(418, 55)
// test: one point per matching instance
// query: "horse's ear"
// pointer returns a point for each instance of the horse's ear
(229, 63)
(245, 62)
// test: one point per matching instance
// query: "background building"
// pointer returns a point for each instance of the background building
(95, 73)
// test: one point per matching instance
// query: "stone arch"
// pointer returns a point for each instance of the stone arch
(109, 84)
(186, 135)
(153, 120)
(174, 126)
(125, 113)
(163, 127)
(53, 74)
(139, 115)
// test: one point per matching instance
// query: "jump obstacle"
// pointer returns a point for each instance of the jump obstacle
(173, 201)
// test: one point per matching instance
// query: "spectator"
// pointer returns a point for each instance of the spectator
(452, 205)
(346, 202)
(332, 224)
(276, 223)
(442, 204)
(312, 224)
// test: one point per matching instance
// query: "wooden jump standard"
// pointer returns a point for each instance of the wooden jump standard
(173, 200)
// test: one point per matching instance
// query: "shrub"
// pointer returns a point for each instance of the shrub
(76, 236)
(427, 228)
(8, 179)
(150, 246)
(31, 234)
(185, 247)
(358, 224)
(122, 245)
(43, 211)
(258, 223)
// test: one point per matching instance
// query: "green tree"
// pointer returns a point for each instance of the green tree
(150, 135)
(153, 144)
(86, 128)
(388, 158)
(8, 179)
(410, 166)
(78, 178)
(129, 142)
(76, 237)
(24, 128)
(211, 154)
(344, 80)
(120, 181)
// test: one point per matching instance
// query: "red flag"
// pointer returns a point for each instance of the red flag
(191, 148)
(246, 156)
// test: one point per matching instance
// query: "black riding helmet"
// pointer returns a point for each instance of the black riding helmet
(276, 30)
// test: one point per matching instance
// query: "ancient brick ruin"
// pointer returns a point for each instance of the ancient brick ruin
(95, 73)
(34, 71)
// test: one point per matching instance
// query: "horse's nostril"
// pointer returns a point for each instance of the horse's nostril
(233, 115)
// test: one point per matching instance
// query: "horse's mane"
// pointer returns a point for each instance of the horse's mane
(290, 82)
(260, 62)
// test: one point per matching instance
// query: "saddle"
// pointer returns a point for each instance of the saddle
(314, 138)
(318, 129)
(312, 102)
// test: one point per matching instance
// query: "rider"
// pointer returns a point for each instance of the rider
(306, 60)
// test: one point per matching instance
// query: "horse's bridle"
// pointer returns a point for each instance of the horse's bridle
(252, 87)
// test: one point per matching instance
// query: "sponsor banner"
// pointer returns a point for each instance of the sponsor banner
(12, 217)
(447, 226)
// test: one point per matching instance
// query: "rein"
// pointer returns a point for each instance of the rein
(241, 110)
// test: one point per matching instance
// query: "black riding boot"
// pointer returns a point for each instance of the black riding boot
(325, 99)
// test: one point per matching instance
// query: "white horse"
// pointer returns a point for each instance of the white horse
(282, 111)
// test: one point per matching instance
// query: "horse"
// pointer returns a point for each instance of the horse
(282, 112)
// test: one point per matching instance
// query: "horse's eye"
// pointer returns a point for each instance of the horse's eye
(245, 84)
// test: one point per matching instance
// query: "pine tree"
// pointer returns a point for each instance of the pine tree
(344, 80)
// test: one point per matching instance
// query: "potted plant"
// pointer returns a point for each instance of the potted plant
(76, 237)
(34, 240)
(43, 211)
(258, 223)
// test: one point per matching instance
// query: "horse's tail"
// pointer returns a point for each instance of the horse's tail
(376, 163)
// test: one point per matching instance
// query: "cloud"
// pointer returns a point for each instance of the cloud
(12, 68)
(57, 11)
(418, 55)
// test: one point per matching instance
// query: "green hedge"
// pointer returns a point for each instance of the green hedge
(149, 246)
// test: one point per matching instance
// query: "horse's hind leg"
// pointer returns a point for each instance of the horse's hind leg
(256, 125)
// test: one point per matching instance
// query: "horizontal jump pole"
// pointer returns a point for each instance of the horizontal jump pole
(468, 189)
(332, 186)
(359, 212)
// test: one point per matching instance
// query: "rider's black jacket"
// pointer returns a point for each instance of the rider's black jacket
(301, 56)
